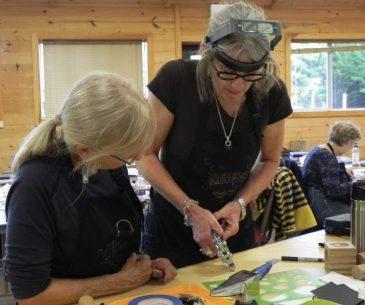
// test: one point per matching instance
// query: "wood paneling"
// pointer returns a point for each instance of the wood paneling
(166, 24)
(315, 130)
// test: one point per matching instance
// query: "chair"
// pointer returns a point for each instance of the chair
(283, 207)
(291, 164)
(263, 222)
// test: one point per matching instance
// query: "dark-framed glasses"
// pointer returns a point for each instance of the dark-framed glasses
(129, 161)
(248, 77)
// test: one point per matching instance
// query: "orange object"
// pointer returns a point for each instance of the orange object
(193, 290)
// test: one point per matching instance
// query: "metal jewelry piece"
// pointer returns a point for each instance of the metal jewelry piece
(243, 205)
(186, 210)
(228, 142)
(208, 253)
(85, 174)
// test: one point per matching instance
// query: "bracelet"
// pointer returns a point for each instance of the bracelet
(186, 210)
(243, 205)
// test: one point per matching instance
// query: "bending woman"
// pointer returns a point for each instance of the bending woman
(220, 124)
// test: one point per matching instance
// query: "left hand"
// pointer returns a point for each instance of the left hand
(229, 218)
(350, 171)
(162, 270)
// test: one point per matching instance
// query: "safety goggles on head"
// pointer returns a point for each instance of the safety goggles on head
(245, 27)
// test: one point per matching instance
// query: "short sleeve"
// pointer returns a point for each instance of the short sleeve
(279, 103)
(169, 81)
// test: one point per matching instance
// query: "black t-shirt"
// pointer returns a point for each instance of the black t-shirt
(58, 229)
(175, 86)
(195, 155)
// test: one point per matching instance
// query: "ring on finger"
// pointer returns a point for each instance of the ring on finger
(208, 252)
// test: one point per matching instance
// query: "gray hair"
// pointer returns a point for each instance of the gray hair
(255, 46)
(342, 132)
(102, 111)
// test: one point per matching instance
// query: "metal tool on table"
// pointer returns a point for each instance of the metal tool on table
(223, 252)
(243, 285)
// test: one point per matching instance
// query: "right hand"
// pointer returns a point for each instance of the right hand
(203, 222)
(229, 218)
(136, 271)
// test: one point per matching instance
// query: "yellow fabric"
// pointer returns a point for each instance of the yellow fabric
(304, 218)
(291, 211)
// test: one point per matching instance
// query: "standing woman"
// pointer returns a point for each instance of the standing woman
(327, 180)
(74, 223)
(220, 125)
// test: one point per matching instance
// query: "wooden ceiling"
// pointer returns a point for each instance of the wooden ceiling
(267, 4)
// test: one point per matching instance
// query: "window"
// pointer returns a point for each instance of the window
(190, 51)
(62, 63)
(328, 75)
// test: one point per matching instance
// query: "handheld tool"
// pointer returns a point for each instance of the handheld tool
(223, 252)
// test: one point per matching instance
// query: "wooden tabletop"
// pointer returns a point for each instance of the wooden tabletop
(303, 246)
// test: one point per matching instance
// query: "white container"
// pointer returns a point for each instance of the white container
(355, 156)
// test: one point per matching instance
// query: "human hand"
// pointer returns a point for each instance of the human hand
(229, 217)
(163, 270)
(203, 222)
(135, 272)
(350, 171)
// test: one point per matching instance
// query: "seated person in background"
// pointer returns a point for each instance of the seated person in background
(327, 180)
(74, 223)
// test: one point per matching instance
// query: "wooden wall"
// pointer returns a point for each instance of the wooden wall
(165, 25)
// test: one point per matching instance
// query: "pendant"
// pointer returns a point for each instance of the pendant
(228, 144)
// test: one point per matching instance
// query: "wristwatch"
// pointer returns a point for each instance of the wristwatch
(243, 205)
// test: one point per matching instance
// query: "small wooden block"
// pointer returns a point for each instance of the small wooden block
(340, 246)
(361, 258)
(358, 272)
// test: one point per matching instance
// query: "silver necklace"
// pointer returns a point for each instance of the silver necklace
(228, 142)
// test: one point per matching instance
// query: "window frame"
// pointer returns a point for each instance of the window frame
(318, 37)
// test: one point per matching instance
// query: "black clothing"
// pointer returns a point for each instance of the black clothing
(58, 229)
(195, 156)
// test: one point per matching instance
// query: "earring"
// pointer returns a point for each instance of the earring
(85, 174)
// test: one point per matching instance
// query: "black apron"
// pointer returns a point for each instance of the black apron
(213, 176)
(109, 229)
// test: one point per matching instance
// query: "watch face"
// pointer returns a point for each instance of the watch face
(241, 201)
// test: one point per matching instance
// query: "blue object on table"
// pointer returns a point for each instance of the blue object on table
(265, 268)
(237, 283)
(156, 299)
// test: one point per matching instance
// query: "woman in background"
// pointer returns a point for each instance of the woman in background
(74, 222)
(327, 180)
